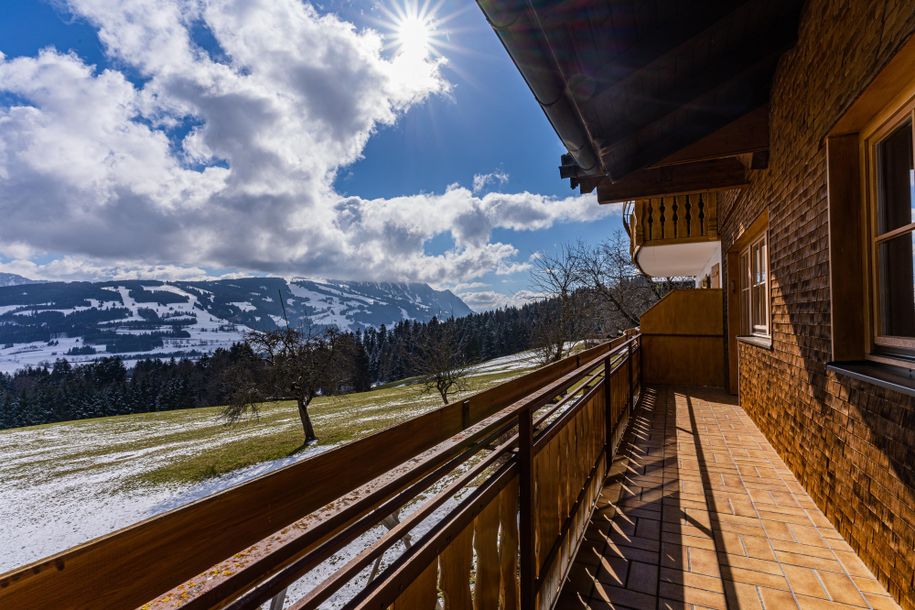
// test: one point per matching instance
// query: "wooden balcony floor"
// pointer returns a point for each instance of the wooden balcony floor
(700, 512)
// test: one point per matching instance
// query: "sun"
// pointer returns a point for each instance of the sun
(414, 29)
(414, 35)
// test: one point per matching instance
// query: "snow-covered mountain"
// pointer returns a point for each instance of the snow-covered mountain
(11, 279)
(147, 318)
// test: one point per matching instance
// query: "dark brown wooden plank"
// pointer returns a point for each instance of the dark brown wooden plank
(748, 134)
(846, 243)
(718, 174)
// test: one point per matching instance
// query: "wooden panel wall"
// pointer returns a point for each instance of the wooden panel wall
(683, 339)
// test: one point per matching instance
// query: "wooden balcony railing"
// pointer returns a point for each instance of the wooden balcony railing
(673, 219)
(482, 503)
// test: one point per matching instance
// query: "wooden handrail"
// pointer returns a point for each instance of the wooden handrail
(285, 523)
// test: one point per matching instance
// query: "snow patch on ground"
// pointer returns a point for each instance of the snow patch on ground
(329, 309)
(52, 498)
(65, 484)
(243, 305)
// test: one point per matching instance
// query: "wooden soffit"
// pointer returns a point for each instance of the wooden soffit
(680, 179)
(632, 87)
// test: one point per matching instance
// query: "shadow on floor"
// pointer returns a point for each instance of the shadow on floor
(699, 512)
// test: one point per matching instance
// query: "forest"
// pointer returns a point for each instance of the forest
(60, 391)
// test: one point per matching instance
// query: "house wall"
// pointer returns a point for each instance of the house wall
(704, 279)
(851, 444)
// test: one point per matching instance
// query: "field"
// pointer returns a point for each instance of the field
(62, 484)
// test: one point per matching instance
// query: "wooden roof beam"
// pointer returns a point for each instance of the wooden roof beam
(689, 123)
(712, 175)
(747, 135)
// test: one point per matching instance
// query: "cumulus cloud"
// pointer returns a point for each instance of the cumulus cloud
(226, 157)
(483, 300)
(81, 268)
(482, 181)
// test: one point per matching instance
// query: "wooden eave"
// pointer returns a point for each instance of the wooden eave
(636, 86)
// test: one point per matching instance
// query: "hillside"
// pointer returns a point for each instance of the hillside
(147, 318)
(11, 279)
(67, 482)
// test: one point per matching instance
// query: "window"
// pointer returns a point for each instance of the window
(754, 288)
(890, 185)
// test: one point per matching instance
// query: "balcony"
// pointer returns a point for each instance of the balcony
(596, 481)
(675, 235)
(699, 511)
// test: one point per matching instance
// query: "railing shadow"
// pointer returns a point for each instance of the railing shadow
(641, 546)
(715, 529)
(628, 542)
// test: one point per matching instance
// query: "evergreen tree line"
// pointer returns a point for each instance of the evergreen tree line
(62, 391)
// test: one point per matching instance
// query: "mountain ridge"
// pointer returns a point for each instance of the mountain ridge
(83, 321)
(12, 279)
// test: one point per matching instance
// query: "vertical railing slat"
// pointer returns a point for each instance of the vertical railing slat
(421, 594)
(454, 580)
(486, 546)
(525, 508)
(508, 547)
(608, 409)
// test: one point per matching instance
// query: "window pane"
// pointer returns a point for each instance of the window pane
(759, 318)
(897, 286)
(744, 293)
(894, 180)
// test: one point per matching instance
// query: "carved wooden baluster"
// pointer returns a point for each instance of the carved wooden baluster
(661, 209)
(650, 221)
(689, 217)
(701, 215)
(675, 218)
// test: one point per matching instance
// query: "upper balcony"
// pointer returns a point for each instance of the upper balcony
(674, 235)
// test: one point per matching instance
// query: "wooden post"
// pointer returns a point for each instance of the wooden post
(608, 411)
(465, 415)
(641, 366)
(526, 508)
(629, 402)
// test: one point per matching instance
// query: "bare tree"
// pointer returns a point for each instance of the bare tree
(298, 365)
(440, 360)
(608, 271)
(557, 276)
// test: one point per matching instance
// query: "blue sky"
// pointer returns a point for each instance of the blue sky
(379, 148)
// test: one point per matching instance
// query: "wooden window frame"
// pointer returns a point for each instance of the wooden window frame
(747, 288)
(899, 111)
(851, 251)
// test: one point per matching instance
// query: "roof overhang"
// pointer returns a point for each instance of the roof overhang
(633, 87)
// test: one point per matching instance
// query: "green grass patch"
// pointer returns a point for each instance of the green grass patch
(277, 431)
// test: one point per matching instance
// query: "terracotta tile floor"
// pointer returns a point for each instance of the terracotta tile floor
(700, 512)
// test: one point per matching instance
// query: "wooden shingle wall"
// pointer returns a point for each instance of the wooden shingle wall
(851, 444)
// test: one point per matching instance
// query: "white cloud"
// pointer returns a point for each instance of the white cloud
(482, 181)
(80, 268)
(483, 300)
(89, 173)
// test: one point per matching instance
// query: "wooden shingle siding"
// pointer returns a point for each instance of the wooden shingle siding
(850, 444)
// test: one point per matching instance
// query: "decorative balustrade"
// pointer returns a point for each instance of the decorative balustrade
(480, 504)
(674, 219)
